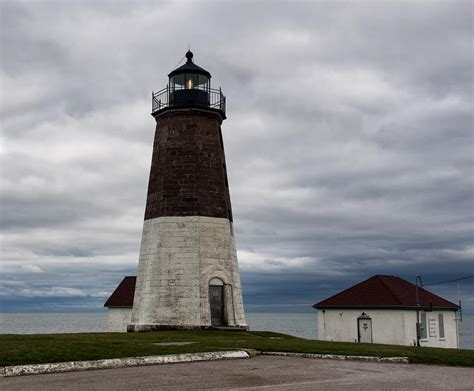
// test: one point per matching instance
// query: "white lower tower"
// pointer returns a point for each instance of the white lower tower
(188, 275)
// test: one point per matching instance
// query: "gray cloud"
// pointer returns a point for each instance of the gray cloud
(349, 141)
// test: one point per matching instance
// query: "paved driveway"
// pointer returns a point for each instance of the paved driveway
(260, 373)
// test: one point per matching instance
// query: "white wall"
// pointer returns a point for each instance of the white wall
(118, 319)
(451, 339)
(388, 326)
(178, 258)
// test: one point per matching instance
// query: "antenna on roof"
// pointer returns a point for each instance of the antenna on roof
(460, 306)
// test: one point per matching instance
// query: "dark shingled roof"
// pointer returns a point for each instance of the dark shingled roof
(189, 67)
(123, 295)
(384, 292)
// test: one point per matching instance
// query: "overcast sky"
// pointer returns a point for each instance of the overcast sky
(349, 142)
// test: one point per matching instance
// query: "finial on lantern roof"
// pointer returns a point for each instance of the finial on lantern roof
(189, 56)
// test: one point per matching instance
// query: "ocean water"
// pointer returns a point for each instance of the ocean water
(298, 324)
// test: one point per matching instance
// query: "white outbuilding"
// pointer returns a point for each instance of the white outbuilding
(384, 309)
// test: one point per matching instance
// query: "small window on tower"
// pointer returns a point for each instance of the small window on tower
(225, 176)
(220, 138)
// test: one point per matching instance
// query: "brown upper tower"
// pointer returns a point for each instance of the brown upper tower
(188, 175)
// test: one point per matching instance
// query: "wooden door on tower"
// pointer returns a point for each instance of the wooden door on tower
(216, 298)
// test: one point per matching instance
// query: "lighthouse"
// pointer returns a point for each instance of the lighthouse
(188, 275)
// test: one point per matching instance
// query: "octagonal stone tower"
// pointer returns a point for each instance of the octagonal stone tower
(188, 275)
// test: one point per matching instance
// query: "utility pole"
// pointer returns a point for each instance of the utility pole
(419, 283)
(458, 318)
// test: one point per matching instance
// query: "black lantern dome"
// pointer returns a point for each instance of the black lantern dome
(189, 86)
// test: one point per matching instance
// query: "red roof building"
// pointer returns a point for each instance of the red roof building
(388, 310)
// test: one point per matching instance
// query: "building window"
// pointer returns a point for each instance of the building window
(432, 327)
(220, 138)
(424, 334)
(441, 325)
(226, 181)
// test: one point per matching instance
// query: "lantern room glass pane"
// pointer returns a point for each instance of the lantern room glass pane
(203, 82)
(191, 81)
(177, 82)
(441, 325)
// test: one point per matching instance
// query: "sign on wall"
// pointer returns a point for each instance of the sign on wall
(432, 327)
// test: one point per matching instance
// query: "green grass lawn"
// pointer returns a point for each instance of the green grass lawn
(18, 349)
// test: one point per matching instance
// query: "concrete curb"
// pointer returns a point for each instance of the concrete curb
(36, 369)
(392, 360)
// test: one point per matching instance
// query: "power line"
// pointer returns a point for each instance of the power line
(180, 61)
(445, 282)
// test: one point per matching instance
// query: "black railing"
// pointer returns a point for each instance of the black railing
(210, 98)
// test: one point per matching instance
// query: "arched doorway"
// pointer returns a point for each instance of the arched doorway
(216, 301)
